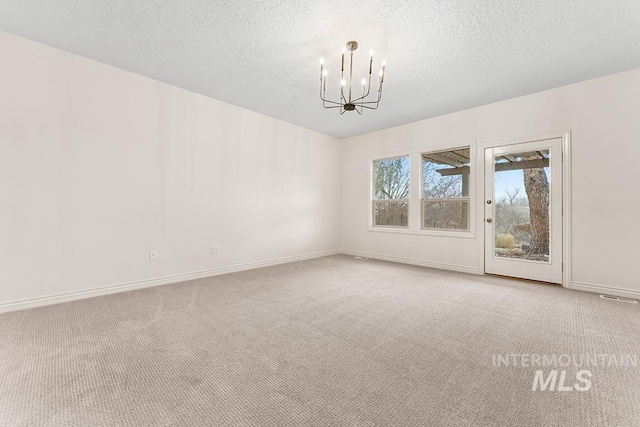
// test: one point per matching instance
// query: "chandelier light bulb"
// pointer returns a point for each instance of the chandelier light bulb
(370, 52)
(364, 81)
(343, 82)
(384, 62)
(321, 61)
(344, 49)
(325, 73)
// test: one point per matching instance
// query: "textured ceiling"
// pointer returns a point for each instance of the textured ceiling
(442, 56)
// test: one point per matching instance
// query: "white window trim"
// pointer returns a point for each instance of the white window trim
(434, 233)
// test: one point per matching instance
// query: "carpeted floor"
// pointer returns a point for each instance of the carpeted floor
(327, 342)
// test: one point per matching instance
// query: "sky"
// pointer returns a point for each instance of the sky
(507, 181)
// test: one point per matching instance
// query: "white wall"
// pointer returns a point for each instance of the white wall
(603, 116)
(99, 165)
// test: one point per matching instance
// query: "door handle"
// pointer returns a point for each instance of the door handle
(489, 220)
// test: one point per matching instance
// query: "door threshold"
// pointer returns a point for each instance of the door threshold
(538, 282)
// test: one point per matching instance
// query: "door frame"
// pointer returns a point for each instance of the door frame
(566, 197)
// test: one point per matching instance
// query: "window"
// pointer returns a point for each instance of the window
(445, 190)
(391, 192)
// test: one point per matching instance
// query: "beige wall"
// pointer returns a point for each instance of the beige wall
(99, 165)
(603, 116)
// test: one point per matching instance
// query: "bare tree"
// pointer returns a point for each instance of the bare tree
(392, 183)
(392, 179)
(438, 186)
(512, 194)
(440, 212)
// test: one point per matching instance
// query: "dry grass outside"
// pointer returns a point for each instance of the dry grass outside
(515, 252)
(505, 241)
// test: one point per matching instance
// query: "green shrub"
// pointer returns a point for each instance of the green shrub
(505, 241)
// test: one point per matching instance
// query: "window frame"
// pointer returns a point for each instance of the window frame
(450, 232)
(373, 200)
(415, 192)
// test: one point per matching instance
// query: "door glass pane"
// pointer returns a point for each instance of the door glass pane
(522, 206)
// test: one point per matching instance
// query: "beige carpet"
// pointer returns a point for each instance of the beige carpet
(327, 342)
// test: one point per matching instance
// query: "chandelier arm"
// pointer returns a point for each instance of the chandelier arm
(324, 100)
(323, 92)
(379, 93)
(374, 105)
(342, 78)
(350, 74)
(344, 100)
(368, 92)
(369, 86)
(364, 95)
(359, 98)
(332, 102)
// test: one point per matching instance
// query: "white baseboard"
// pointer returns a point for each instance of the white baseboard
(158, 281)
(122, 287)
(607, 290)
(413, 261)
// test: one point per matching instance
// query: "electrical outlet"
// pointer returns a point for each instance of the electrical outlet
(439, 246)
(215, 250)
(153, 255)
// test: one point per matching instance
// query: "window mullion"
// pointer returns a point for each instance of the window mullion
(415, 191)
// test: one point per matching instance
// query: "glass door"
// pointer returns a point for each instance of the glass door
(523, 210)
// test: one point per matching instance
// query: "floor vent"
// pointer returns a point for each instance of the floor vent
(615, 298)
(360, 257)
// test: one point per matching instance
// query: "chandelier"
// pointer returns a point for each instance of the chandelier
(351, 99)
